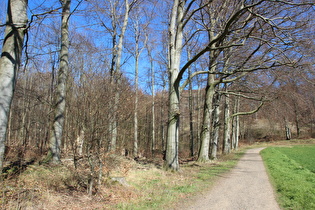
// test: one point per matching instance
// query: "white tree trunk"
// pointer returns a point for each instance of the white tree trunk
(215, 127)
(287, 130)
(138, 50)
(80, 142)
(207, 111)
(116, 73)
(60, 101)
(175, 49)
(203, 155)
(227, 126)
(135, 143)
(153, 100)
(236, 125)
(16, 24)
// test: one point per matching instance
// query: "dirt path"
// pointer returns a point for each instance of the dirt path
(246, 187)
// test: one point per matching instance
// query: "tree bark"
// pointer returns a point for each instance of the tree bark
(215, 127)
(227, 126)
(175, 49)
(16, 24)
(236, 125)
(60, 101)
(205, 136)
(203, 155)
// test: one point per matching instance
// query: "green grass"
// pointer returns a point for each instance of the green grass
(304, 155)
(292, 174)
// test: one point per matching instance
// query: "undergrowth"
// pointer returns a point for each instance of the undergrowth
(145, 185)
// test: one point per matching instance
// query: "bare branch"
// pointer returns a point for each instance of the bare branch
(218, 39)
(188, 80)
(296, 4)
(241, 95)
(193, 12)
(249, 112)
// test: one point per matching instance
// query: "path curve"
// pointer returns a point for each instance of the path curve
(247, 186)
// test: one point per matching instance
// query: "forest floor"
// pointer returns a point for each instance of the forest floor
(231, 182)
(247, 186)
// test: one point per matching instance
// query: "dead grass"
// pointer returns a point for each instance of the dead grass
(64, 187)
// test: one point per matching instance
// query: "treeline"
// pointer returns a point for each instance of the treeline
(88, 110)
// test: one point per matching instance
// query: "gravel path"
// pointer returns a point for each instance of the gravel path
(246, 187)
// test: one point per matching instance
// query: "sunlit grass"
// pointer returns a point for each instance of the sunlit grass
(292, 174)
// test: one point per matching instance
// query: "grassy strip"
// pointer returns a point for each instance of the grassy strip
(293, 180)
(160, 189)
(304, 155)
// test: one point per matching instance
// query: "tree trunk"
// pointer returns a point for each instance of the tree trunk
(191, 125)
(236, 125)
(190, 106)
(60, 101)
(287, 130)
(116, 73)
(175, 48)
(199, 110)
(137, 53)
(16, 24)
(227, 126)
(153, 147)
(162, 126)
(297, 125)
(203, 155)
(171, 162)
(215, 127)
(205, 136)
(135, 142)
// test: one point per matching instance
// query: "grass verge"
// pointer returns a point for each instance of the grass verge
(158, 189)
(292, 174)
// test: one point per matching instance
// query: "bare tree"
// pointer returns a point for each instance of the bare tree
(175, 47)
(152, 69)
(139, 28)
(115, 22)
(60, 101)
(10, 60)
